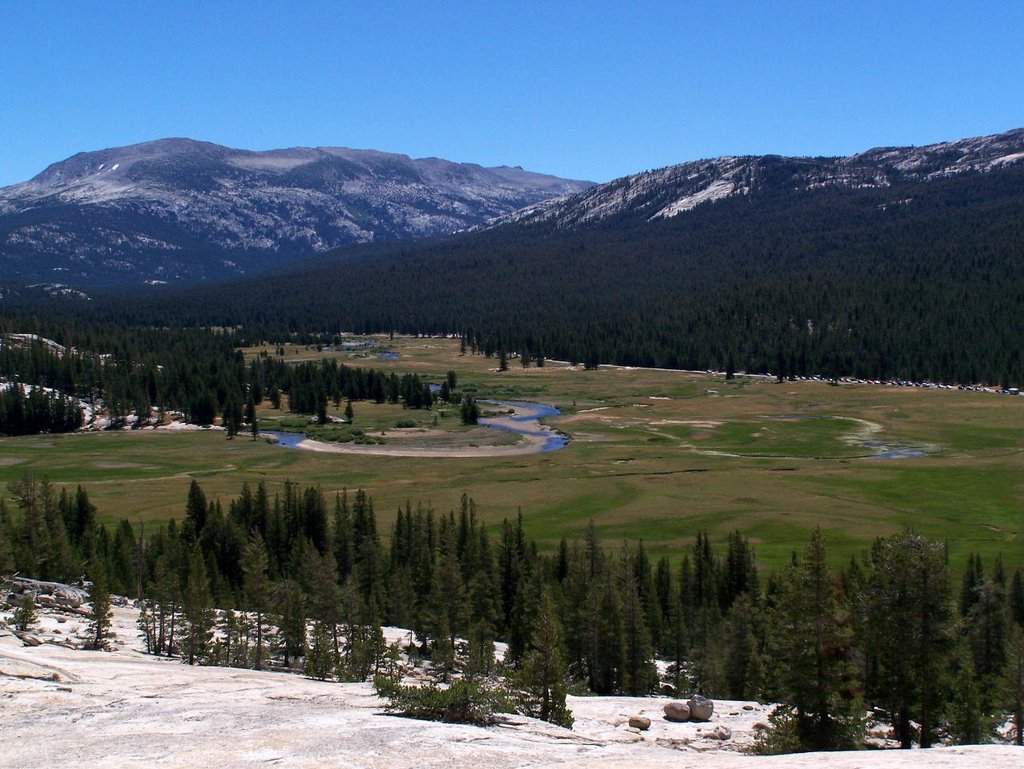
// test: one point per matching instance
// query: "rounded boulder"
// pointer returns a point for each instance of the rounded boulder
(677, 711)
(701, 708)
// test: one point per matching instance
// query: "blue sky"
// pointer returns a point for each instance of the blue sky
(590, 90)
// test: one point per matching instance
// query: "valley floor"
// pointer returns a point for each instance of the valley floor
(122, 709)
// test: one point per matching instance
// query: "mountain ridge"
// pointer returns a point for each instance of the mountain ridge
(669, 191)
(183, 211)
(180, 209)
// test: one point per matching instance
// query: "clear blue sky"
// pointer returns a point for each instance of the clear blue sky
(590, 90)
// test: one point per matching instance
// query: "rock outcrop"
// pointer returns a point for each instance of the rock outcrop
(46, 593)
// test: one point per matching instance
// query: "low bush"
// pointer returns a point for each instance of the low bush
(463, 702)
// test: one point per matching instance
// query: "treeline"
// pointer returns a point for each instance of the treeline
(310, 385)
(147, 372)
(892, 630)
(37, 412)
(916, 282)
(128, 370)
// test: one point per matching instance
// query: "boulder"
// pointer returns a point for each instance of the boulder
(50, 593)
(701, 708)
(677, 711)
(27, 638)
(720, 732)
(643, 723)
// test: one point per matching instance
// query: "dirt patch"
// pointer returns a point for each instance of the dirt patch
(592, 437)
(702, 424)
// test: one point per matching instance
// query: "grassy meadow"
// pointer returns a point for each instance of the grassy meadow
(654, 455)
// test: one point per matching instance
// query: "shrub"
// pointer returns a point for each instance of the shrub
(463, 702)
(25, 614)
(781, 736)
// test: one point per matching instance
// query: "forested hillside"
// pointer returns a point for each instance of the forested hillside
(921, 281)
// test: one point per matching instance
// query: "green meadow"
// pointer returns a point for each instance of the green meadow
(653, 455)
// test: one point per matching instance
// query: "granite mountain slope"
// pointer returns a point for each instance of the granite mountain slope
(183, 210)
(668, 192)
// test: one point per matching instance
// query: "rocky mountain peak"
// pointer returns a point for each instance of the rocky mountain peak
(179, 209)
(667, 192)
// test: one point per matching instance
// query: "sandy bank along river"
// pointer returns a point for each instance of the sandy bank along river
(524, 420)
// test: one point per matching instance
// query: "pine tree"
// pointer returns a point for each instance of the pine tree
(907, 609)
(99, 611)
(967, 725)
(986, 629)
(147, 624)
(443, 653)
(320, 660)
(541, 678)
(469, 410)
(319, 578)
(479, 651)
(256, 585)
(639, 674)
(25, 615)
(195, 511)
(197, 610)
(1016, 598)
(1013, 681)
(250, 416)
(291, 614)
(167, 597)
(744, 673)
(811, 644)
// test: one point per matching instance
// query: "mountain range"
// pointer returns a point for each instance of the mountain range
(178, 210)
(671, 191)
(181, 211)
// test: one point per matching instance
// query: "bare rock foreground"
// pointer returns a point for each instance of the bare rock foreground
(63, 707)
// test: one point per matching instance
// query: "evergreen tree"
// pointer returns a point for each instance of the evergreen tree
(195, 511)
(197, 610)
(291, 614)
(967, 724)
(1013, 681)
(250, 417)
(744, 671)
(256, 584)
(319, 579)
(639, 674)
(99, 607)
(469, 410)
(907, 608)
(480, 651)
(986, 629)
(1016, 605)
(541, 679)
(811, 645)
(25, 614)
(320, 660)
(167, 596)
(230, 629)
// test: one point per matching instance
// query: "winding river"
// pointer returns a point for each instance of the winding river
(524, 420)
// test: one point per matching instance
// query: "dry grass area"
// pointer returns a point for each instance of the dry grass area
(656, 455)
